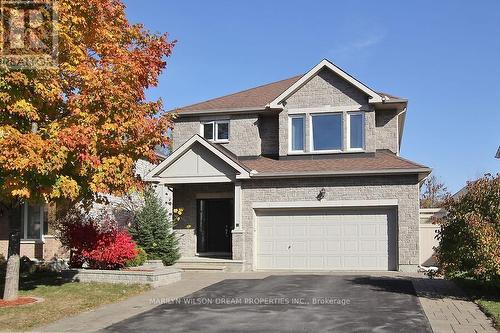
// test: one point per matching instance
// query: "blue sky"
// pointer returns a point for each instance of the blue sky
(444, 56)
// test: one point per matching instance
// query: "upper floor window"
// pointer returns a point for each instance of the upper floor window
(355, 125)
(297, 133)
(326, 132)
(216, 131)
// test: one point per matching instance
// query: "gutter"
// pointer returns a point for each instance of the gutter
(422, 172)
(394, 100)
(218, 111)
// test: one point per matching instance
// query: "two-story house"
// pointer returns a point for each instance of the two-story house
(299, 174)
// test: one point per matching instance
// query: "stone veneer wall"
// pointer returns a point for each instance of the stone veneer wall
(327, 90)
(185, 196)
(244, 136)
(403, 188)
(184, 129)
(268, 131)
(386, 129)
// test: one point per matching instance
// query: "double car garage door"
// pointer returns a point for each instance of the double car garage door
(326, 239)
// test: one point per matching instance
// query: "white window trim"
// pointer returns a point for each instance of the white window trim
(348, 136)
(328, 109)
(311, 136)
(290, 118)
(24, 226)
(215, 124)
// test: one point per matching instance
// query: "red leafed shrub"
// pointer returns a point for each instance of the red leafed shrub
(97, 243)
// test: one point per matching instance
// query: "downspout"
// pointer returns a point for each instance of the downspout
(400, 134)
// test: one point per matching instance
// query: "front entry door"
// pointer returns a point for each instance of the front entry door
(215, 222)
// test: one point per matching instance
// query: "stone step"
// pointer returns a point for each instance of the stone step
(200, 267)
(209, 264)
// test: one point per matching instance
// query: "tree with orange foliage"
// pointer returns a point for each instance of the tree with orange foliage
(76, 129)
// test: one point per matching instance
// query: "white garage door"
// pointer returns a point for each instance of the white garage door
(319, 239)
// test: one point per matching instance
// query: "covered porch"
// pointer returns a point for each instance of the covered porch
(206, 185)
(208, 226)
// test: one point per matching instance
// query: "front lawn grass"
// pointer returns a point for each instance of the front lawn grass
(485, 294)
(61, 299)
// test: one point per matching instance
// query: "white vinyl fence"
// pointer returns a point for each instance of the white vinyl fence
(427, 234)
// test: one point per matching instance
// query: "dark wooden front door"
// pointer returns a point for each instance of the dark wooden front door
(215, 222)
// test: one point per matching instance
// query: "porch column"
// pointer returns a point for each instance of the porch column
(237, 233)
(237, 206)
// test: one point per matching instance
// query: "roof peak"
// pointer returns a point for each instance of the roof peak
(271, 95)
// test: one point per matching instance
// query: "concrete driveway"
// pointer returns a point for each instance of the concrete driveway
(289, 303)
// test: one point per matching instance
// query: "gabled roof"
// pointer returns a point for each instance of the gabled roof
(241, 170)
(374, 96)
(272, 94)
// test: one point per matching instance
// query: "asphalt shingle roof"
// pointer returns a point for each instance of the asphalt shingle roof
(380, 160)
(257, 98)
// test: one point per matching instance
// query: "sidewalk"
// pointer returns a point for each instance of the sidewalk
(448, 310)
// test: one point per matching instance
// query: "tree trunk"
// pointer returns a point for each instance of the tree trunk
(12, 278)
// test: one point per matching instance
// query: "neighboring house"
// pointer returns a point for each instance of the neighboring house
(299, 174)
(35, 221)
(460, 193)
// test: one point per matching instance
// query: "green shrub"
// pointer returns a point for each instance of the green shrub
(152, 229)
(469, 239)
(139, 259)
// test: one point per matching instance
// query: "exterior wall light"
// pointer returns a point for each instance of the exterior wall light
(321, 194)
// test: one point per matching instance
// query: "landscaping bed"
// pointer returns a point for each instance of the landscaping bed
(61, 299)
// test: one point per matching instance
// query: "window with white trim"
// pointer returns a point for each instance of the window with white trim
(356, 131)
(326, 132)
(296, 132)
(31, 221)
(216, 131)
